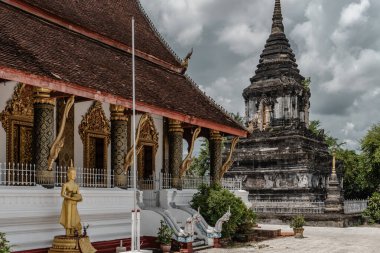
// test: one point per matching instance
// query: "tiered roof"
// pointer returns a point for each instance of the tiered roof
(277, 59)
(82, 48)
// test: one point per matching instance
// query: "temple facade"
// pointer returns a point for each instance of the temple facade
(281, 159)
(66, 95)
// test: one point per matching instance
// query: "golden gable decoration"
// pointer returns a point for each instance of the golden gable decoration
(149, 134)
(95, 121)
(17, 121)
(20, 106)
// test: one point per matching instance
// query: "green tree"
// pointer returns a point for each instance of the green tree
(201, 164)
(214, 201)
(238, 117)
(333, 143)
(373, 210)
(360, 171)
(5, 247)
(356, 180)
(370, 146)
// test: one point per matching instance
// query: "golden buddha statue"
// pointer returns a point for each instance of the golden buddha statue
(73, 241)
(70, 219)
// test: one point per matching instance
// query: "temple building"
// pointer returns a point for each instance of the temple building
(281, 159)
(66, 94)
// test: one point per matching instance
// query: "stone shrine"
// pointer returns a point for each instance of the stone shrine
(281, 159)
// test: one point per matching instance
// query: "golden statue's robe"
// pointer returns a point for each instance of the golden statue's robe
(69, 214)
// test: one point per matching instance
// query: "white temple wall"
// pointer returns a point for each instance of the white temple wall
(6, 92)
(30, 215)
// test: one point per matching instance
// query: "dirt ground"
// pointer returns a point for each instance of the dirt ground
(317, 240)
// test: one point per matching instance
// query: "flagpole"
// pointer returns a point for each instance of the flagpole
(134, 213)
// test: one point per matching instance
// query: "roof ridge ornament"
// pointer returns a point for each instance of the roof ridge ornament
(277, 25)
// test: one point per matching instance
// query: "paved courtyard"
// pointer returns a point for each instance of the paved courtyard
(318, 240)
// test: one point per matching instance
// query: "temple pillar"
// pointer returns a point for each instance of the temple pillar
(175, 150)
(215, 148)
(43, 135)
(119, 144)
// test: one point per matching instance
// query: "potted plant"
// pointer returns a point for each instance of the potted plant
(164, 236)
(297, 224)
(4, 244)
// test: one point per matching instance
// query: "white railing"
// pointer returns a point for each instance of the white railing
(14, 174)
(86, 177)
(355, 206)
(288, 207)
(232, 184)
(194, 182)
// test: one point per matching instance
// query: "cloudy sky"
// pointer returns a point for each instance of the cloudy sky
(337, 44)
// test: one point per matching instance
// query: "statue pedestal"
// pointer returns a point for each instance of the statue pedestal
(68, 244)
(334, 201)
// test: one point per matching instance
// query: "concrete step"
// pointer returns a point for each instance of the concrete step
(200, 248)
(198, 243)
(267, 233)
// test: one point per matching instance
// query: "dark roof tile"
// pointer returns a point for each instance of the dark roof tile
(34, 46)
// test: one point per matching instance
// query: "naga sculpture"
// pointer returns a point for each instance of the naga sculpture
(228, 163)
(60, 139)
(188, 159)
(128, 160)
(189, 226)
(219, 224)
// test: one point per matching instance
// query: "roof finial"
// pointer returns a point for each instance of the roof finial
(277, 26)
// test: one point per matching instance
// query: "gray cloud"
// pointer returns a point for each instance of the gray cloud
(337, 44)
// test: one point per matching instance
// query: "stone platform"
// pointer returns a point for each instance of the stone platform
(317, 220)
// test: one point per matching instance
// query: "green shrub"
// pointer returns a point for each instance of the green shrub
(165, 234)
(297, 222)
(373, 209)
(4, 244)
(214, 202)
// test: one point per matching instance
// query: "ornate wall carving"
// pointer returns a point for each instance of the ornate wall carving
(17, 121)
(94, 125)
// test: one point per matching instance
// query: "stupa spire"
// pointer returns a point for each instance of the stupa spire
(277, 25)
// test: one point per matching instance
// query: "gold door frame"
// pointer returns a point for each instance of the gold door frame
(148, 137)
(96, 125)
(18, 111)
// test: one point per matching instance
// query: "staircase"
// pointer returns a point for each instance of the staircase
(200, 244)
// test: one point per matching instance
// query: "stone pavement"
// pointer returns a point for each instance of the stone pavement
(318, 240)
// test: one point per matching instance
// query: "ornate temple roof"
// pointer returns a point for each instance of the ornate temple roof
(85, 53)
(113, 20)
(277, 59)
